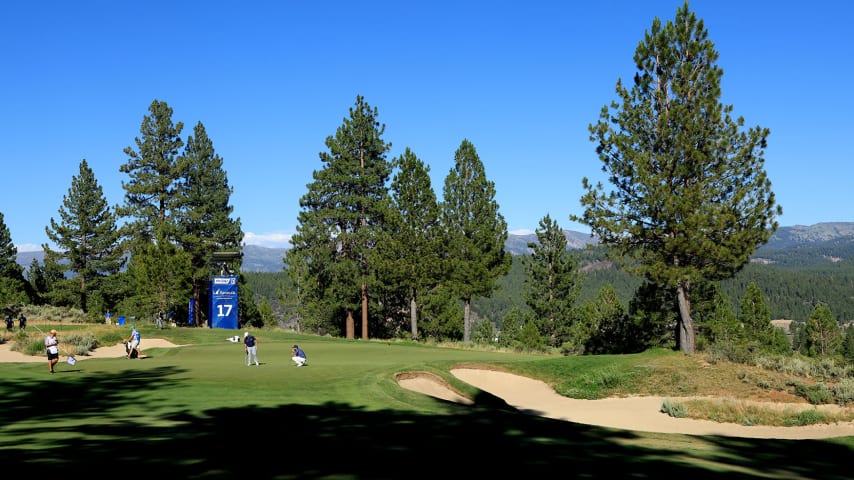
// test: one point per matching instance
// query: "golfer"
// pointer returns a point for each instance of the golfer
(250, 345)
(134, 342)
(51, 345)
(298, 356)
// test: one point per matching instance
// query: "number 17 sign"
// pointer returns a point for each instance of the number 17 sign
(223, 312)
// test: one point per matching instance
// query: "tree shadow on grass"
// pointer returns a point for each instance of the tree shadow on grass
(338, 440)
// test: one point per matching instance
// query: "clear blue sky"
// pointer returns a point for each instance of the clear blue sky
(521, 80)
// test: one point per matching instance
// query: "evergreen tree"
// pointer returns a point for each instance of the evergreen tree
(266, 313)
(150, 203)
(651, 320)
(150, 194)
(691, 200)
(475, 231)
(86, 235)
(344, 212)
(604, 319)
(530, 338)
(203, 214)
(59, 290)
(848, 344)
(553, 282)
(755, 316)
(722, 326)
(38, 281)
(442, 318)
(511, 327)
(413, 249)
(822, 333)
(13, 288)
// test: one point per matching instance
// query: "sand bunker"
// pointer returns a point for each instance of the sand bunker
(632, 413)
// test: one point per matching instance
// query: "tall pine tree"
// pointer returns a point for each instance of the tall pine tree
(13, 287)
(86, 236)
(413, 249)
(691, 200)
(553, 282)
(151, 199)
(475, 231)
(343, 212)
(203, 217)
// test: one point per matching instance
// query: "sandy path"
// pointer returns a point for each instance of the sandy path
(633, 413)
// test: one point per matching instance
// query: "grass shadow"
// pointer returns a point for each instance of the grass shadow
(76, 427)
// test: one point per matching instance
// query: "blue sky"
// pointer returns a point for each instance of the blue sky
(521, 80)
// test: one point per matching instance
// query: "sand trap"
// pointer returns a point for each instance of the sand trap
(115, 351)
(632, 413)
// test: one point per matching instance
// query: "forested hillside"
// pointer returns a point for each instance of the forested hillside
(799, 268)
(793, 281)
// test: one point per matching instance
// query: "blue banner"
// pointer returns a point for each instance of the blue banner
(223, 312)
(191, 312)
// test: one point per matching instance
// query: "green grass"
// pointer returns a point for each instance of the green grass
(200, 412)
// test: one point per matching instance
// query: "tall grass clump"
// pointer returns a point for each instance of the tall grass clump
(608, 378)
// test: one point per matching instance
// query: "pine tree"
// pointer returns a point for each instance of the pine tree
(203, 213)
(475, 231)
(12, 284)
(822, 333)
(86, 235)
(412, 252)
(755, 316)
(151, 199)
(343, 213)
(722, 326)
(553, 281)
(603, 322)
(38, 281)
(691, 200)
(154, 171)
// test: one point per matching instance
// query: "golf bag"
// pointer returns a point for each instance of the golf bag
(135, 353)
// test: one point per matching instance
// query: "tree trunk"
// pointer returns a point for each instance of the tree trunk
(350, 325)
(197, 287)
(686, 323)
(467, 321)
(364, 310)
(413, 317)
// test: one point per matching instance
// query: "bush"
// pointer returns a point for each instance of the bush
(817, 394)
(674, 409)
(810, 417)
(844, 391)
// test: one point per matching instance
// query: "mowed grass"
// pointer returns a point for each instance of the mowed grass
(199, 412)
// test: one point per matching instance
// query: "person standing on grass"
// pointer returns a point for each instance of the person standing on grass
(22, 321)
(250, 345)
(134, 340)
(51, 345)
(298, 356)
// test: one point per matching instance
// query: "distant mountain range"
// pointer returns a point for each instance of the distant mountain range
(265, 259)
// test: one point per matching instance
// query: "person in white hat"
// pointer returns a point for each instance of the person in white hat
(250, 344)
(51, 344)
